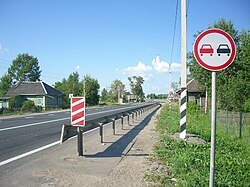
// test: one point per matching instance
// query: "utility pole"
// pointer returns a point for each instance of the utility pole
(183, 106)
(169, 85)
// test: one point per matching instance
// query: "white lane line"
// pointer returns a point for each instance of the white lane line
(39, 149)
(38, 123)
(29, 117)
(43, 147)
(51, 114)
(32, 124)
(28, 153)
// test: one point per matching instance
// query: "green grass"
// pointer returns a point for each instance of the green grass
(189, 163)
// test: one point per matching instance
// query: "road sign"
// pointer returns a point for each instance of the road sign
(214, 49)
(78, 111)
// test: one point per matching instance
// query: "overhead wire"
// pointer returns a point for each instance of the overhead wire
(176, 11)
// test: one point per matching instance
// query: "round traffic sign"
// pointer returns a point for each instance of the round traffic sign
(214, 49)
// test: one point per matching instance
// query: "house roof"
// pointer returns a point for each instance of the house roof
(32, 88)
(193, 86)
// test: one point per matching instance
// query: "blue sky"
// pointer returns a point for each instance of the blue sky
(108, 39)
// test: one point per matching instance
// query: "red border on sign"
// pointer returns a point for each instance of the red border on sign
(203, 64)
(80, 114)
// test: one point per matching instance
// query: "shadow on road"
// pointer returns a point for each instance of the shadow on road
(117, 148)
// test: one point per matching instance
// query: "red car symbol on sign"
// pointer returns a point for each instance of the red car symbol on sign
(206, 49)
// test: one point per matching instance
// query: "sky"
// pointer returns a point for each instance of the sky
(109, 39)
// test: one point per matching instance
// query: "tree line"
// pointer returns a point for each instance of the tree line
(26, 68)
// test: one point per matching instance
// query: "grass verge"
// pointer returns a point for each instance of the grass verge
(188, 163)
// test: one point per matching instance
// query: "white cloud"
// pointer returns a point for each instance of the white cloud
(3, 49)
(139, 70)
(161, 66)
(77, 67)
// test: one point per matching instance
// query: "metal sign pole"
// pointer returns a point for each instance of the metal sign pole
(213, 131)
(80, 141)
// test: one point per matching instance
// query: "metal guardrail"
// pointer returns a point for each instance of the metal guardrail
(100, 120)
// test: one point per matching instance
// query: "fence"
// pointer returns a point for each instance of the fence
(235, 123)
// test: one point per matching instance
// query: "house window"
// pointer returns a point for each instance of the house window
(39, 102)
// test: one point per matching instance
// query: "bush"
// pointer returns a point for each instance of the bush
(246, 106)
(192, 106)
(28, 105)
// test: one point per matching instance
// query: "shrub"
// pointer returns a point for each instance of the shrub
(246, 106)
(28, 105)
(192, 106)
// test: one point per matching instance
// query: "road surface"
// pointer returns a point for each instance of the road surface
(24, 135)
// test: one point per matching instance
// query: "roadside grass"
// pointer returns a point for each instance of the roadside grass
(189, 164)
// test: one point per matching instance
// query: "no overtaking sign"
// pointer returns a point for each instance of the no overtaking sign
(214, 49)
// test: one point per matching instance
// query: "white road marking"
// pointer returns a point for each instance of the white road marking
(28, 153)
(32, 124)
(39, 149)
(43, 147)
(29, 117)
(38, 123)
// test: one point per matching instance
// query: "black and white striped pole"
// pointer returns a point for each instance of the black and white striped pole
(183, 103)
(183, 113)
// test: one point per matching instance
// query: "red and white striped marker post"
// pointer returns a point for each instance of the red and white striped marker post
(78, 119)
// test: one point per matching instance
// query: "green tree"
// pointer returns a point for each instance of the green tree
(136, 83)
(72, 85)
(91, 90)
(233, 83)
(104, 95)
(152, 96)
(5, 83)
(24, 68)
(117, 90)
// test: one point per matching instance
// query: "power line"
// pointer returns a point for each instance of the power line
(176, 11)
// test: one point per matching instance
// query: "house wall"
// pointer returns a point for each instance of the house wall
(56, 102)
(38, 100)
(4, 104)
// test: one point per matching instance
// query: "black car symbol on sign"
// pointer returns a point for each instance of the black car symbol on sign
(223, 48)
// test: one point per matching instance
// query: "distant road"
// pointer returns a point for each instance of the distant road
(23, 135)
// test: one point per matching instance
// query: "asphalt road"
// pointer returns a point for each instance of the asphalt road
(22, 134)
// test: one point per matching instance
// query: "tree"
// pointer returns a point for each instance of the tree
(152, 96)
(24, 68)
(233, 83)
(136, 83)
(70, 86)
(104, 95)
(5, 83)
(91, 90)
(117, 90)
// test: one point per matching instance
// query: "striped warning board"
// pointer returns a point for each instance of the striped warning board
(78, 111)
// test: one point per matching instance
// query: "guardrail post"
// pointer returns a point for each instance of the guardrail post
(128, 119)
(133, 117)
(122, 121)
(136, 114)
(80, 141)
(113, 125)
(101, 131)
